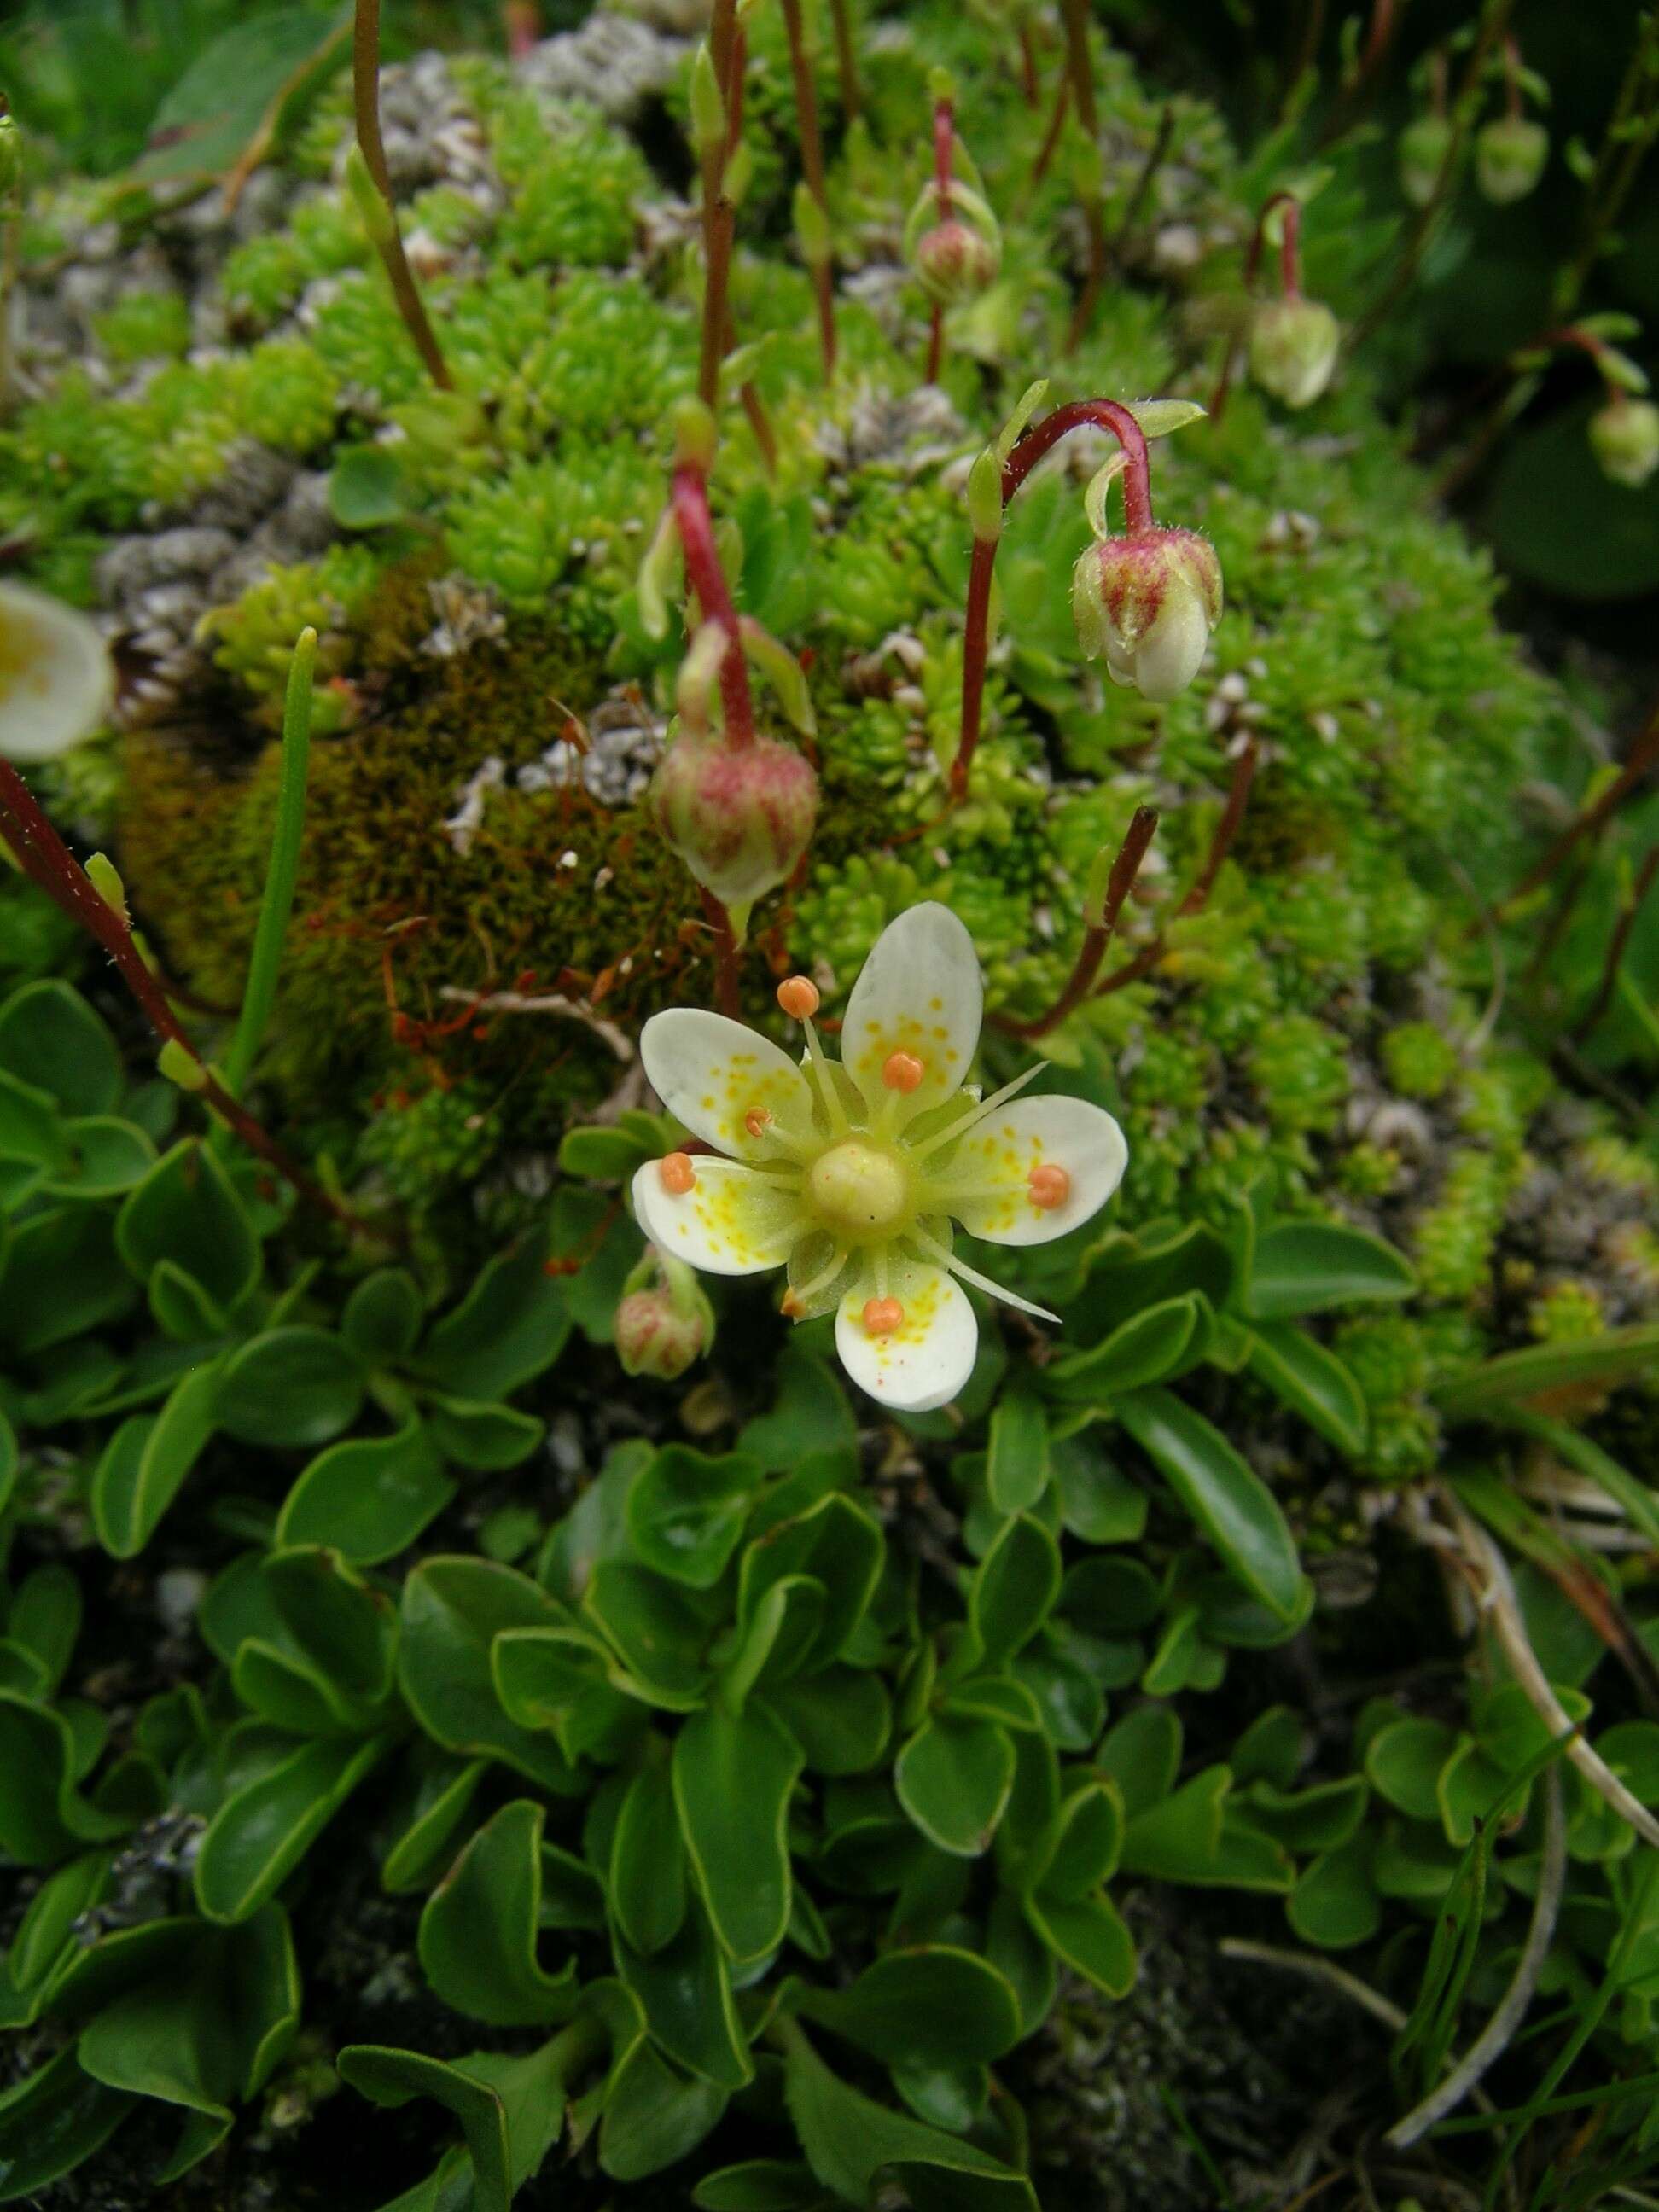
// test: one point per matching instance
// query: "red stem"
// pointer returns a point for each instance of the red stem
(727, 995)
(1102, 414)
(811, 161)
(707, 580)
(935, 344)
(1097, 936)
(1512, 78)
(1226, 831)
(1056, 124)
(726, 50)
(944, 147)
(1644, 755)
(1616, 944)
(1289, 278)
(1027, 66)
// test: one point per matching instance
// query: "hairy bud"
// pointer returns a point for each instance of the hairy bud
(1147, 603)
(1293, 349)
(955, 261)
(1624, 437)
(1509, 154)
(1424, 146)
(739, 817)
(663, 1322)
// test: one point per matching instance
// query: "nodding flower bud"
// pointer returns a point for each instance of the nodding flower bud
(1148, 602)
(1509, 154)
(664, 1322)
(739, 817)
(1624, 437)
(956, 262)
(1424, 146)
(1293, 349)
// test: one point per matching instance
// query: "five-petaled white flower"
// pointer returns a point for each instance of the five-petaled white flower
(850, 1174)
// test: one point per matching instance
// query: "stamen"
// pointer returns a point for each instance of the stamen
(677, 1174)
(798, 997)
(756, 1119)
(903, 1071)
(882, 1317)
(935, 1250)
(1049, 1186)
(836, 1112)
(961, 1128)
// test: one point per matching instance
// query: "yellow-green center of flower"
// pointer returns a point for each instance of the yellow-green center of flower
(859, 1189)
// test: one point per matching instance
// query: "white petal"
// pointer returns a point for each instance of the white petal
(1170, 655)
(56, 680)
(732, 1221)
(985, 1184)
(710, 1073)
(920, 991)
(923, 1363)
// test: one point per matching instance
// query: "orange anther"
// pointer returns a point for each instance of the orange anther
(882, 1317)
(903, 1071)
(1049, 1186)
(790, 1306)
(798, 997)
(756, 1119)
(678, 1175)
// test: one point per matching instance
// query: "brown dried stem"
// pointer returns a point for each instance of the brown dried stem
(1589, 821)
(1621, 937)
(811, 161)
(1226, 830)
(1097, 934)
(388, 238)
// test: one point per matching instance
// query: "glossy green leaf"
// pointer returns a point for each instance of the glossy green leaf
(482, 1436)
(1144, 1349)
(655, 1629)
(686, 1512)
(559, 1678)
(51, 1038)
(51, 2120)
(452, 1609)
(479, 1930)
(953, 1777)
(1017, 1455)
(1312, 1381)
(649, 1864)
(932, 2005)
(733, 1776)
(1225, 1495)
(366, 488)
(686, 1990)
(1141, 1754)
(147, 1461)
(46, 1619)
(293, 1386)
(263, 1829)
(838, 1544)
(760, 2185)
(1082, 1849)
(443, 1787)
(43, 1815)
(1403, 1762)
(368, 1498)
(1014, 1587)
(810, 1414)
(1097, 1501)
(65, 1255)
(31, 1126)
(1023, 1958)
(1086, 1933)
(512, 1324)
(1310, 1266)
(1335, 1904)
(187, 1210)
(383, 1316)
(1545, 1377)
(395, 2077)
(841, 1720)
(653, 2114)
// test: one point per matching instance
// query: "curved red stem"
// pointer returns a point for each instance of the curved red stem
(707, 580)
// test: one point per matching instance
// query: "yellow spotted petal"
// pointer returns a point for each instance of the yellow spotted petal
(986, 1182)
(712, 1073)
(919, 993)
(926, 1360)
(732, 1221)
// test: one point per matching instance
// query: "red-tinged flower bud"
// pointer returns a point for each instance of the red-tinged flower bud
(1509, 154)
(1624, 437)
(739, 817)
(1423, 149)
(954, 262)
(1148, 602)
(1293, 349)
(661, 1334)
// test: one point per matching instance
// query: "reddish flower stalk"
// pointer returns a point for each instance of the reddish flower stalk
(944, 139)
(1098, 933)
(388, 237)
(811, 159)
(707, 580)
(48, 862)
(847, 60)
(1081, 74)
(1056, 124)
(1028, 64)
(1616, 944)
(1103, 413)
(1589, 821)
(728, 996)
(720, 218)
(1290, 280)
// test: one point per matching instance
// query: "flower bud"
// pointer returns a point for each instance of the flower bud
(11, 155)
(1423, 149)
(739, 817)
(1293, 347)
(664, 1325)
(1148, 602)
(1624, 437)
(954, 262)
(1509, 154)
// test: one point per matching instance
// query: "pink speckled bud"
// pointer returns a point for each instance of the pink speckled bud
(1147, 602)
(739, 817)
(954, 262)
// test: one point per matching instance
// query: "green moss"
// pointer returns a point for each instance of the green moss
(1421, 1060)
(143, 326)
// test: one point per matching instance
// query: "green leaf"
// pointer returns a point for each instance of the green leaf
(653, 2114)
(1082, 1851)
(953, 1777)
(186, 1210)
(841, 1719)
(444, 1787)
(849, 2140)
(1013, 1589)
(686, 1990)
(51, 1038)
(511, 1326)
(760, 2185)
(483, 1436)
(1225, 1497)
(1158, 417)
(66, 1257)
(932, 2006)
(1546, 1376)
(46, 1620)
(236, 93)
(147, 1460)
(479, 1930)
(607, 1154)
(811, 1415)
(263, 1829)
(1141, 1754)
(838, 1544)
(45, 1931)
(733, 1775)
(1312, 1381)
(648, 1861)
(1144, 1349)
(1088, 1936)
(1097, 1501)
(452, 1609)
(657, 1631)
(686, 1512)
(1308, 1266)
(367, 488)
(50, 2121)
(1403, 1762)
(290, 1387)
(1334, 1904)
(368, 1498)
(31, 1126)
(106, 1157)
(383, 1315)
(1016, 1456)
(395, 2077)
(559, 1679)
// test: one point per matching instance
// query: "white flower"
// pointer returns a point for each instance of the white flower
(56, 681)
(850, 1174)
